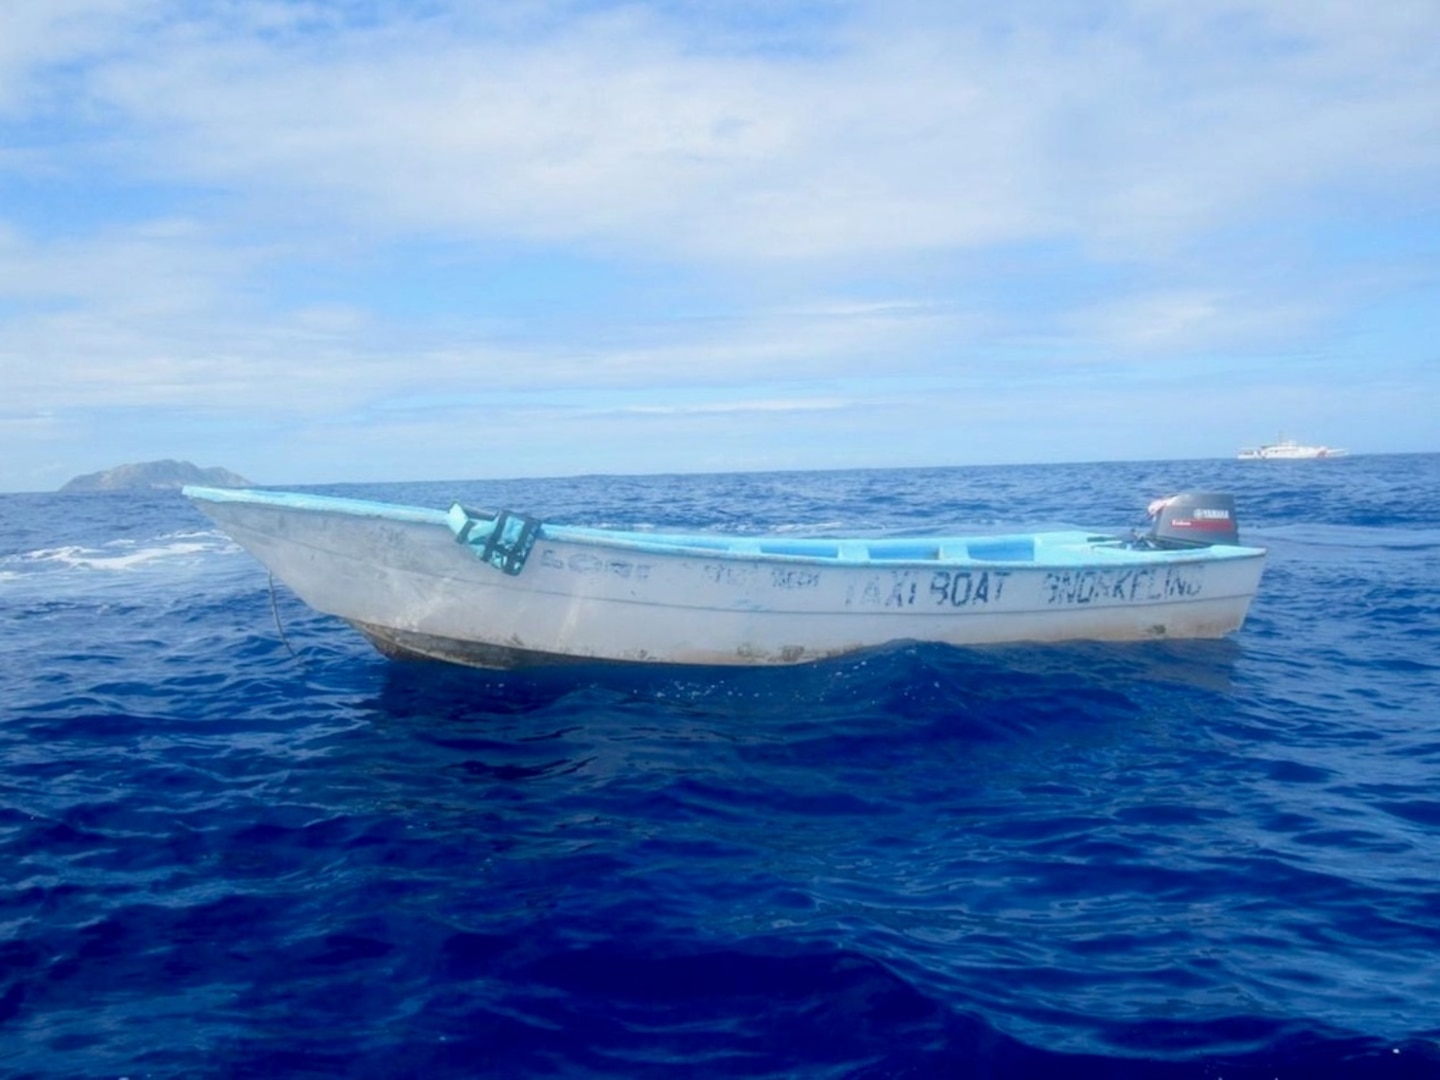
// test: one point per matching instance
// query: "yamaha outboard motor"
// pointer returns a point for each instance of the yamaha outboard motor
(1193, 519)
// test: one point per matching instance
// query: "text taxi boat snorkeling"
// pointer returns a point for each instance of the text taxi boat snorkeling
(505, 590)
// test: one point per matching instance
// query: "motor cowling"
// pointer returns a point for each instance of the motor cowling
(1193, 519)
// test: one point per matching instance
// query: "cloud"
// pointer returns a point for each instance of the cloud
(911, 130)
(899, 131)
(343, 218)
(40, 39)
(159, 317)
(1165, 323)
(732, 408)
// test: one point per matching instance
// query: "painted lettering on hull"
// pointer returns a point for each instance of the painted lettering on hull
(734, 575)
(1064, 588)
(967, 588)
(942, 589)
(583, 562)
(789, 577)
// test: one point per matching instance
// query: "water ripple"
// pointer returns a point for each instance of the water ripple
(237, 842)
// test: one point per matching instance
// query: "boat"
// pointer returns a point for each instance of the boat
(1287, 450)
(501, 589)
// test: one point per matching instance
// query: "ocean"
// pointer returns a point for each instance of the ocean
(236, 842)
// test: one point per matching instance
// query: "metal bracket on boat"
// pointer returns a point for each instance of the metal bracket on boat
(503, 540)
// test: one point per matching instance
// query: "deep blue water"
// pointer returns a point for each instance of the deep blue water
(221, 857)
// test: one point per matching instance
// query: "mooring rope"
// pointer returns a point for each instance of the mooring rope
(275, 610)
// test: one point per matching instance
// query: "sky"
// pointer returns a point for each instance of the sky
(317, 241)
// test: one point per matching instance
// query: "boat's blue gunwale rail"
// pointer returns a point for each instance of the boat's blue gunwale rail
(1054, 548)
(326, 504)
(1059, 548)
(827, 551)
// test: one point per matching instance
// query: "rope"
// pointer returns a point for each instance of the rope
(275, 610)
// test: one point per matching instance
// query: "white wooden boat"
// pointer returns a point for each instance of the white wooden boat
(1288, 450)
(504, 590)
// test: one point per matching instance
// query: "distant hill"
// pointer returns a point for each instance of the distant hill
(155, 475)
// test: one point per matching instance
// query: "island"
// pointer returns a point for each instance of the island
(155, 476)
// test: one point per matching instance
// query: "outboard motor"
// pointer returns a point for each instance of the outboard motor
(1193, 519)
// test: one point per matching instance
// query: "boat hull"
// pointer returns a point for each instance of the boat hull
(398, 575)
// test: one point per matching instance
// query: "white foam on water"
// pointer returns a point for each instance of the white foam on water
(119, 556)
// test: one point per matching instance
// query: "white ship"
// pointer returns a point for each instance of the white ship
(1287, 450)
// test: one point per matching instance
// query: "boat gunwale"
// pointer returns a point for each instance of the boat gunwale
(1079, 548)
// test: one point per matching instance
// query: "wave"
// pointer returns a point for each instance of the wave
(1368, 537)
(120, 555)
(238, 842)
